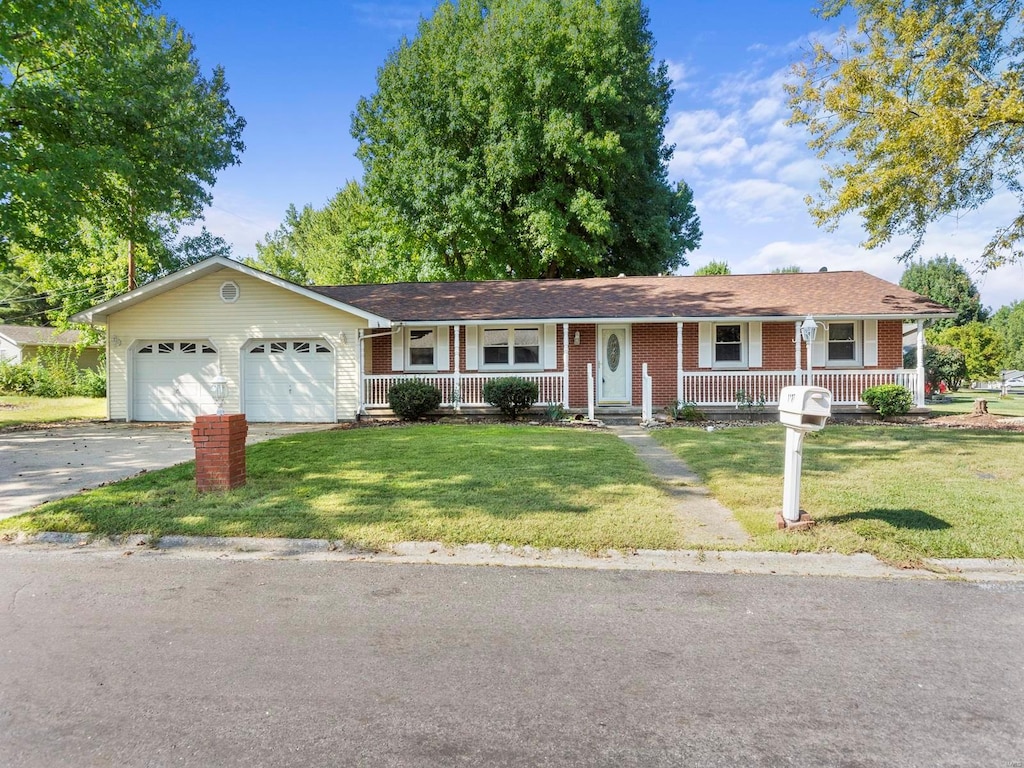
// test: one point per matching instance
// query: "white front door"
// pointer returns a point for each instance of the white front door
(613, 358)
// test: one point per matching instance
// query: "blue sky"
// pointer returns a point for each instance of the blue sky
(296, 71)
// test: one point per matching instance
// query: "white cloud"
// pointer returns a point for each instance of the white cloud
(765, 109)
(401, 17)
(754, 201)
(677, 75)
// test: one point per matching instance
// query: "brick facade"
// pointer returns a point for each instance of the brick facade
(654, 344)
(220, 451)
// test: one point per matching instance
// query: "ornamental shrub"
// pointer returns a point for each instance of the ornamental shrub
(510, 395)
(413, 399)
(888, 399)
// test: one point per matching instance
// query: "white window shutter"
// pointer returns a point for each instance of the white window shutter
(819, 348)
(870, 342)
(398, 350)
(754, 345)
(472, 350)
(705, 348)
(550, 346)
(444, 362)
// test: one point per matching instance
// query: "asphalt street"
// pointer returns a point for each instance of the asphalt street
(152, 660)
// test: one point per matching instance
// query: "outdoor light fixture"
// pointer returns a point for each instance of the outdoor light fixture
(808, 332)
(576, 338)
(220, 392)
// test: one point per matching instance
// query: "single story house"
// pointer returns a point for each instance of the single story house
(21, 343)
(305, 354)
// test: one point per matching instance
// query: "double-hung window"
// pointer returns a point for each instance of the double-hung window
(729, 347)
(511, 347)
(421, 346)
(842, 343)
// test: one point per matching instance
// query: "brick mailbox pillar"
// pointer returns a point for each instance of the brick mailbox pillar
(220, 451)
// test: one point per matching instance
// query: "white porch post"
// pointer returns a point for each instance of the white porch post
(457, 376)
(679, 362)
(919, 394)
(360, 373)
(565, 364)
(590, 391)
(796, 346)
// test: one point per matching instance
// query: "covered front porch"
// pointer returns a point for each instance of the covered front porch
(705, 389)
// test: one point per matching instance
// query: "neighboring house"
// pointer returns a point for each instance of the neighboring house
(21, 343)
(293, 353)
(1011, 381)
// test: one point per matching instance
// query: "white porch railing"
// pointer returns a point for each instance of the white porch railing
(720, 388)
(470, 387)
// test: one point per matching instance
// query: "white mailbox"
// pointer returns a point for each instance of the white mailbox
(805, 408)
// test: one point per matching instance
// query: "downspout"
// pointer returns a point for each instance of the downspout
(565, 365)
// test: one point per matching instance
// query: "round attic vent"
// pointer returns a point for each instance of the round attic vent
(229, 292)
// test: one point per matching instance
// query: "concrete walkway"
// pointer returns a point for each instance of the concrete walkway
(707, 522)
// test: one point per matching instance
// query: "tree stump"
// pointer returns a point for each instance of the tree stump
(980, 407)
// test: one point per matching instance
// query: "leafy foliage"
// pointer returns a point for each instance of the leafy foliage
(793, 269)
(511, 395)
(525, 138)
(1008, 322)
(53, 373)
(412, 399)
(714, 268)
(109, 135)
(923, 103)
(888, 399)
(943, 280)
(982, 347)
(941, 363)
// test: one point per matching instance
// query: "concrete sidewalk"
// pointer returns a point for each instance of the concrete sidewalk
(707, 522)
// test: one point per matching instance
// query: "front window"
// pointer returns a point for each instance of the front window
(422, 343)
(728, 344)
(842, 343)
(511, 346)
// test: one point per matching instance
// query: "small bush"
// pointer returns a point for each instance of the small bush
(510, 395)
(14, 379)
(413, 399)
(888, 399)
(685, 410)
(554, 411)
(90, 383)
(941, 363)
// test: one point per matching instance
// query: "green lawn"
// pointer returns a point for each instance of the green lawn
(19, 410)
(963, 402)
(545, 487)
(899, 492)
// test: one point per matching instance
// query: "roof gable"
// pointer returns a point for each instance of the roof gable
(100, 312)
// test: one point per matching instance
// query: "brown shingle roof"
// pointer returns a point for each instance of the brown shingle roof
(41, 335)
(823, 294)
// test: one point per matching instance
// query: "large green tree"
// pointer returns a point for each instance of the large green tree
(983, 348)
(525, 138)
(349, 240)
(1008, 322)
(106, 123)
(944, 280)
(918, 114)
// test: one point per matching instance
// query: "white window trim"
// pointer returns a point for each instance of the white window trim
(858, 345)
(408, 348)
(511, 329)
(729, 364)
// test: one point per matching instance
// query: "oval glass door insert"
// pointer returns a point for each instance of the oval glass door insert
(613, 353)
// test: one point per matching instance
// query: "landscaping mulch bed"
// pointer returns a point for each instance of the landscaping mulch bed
(985, 421)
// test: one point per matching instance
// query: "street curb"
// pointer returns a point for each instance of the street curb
(426, 552)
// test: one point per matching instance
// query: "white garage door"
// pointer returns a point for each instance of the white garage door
(289, 380)
(171, 381)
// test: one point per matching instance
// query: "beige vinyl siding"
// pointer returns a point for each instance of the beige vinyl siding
(195, 311)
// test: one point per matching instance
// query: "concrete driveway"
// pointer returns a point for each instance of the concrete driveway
(43, 464)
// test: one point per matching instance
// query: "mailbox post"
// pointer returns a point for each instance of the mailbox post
(801, 410)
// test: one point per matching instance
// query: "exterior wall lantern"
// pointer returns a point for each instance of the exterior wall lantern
(808, 332)
(219, 389)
